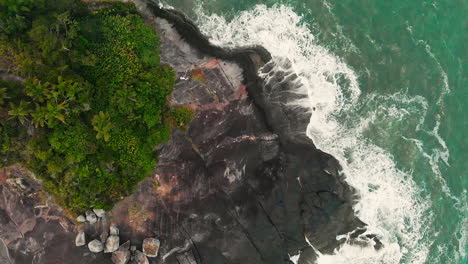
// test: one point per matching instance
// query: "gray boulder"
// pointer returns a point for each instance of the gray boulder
(151, 247)
(99, 212)
(114, 231)
(81, 219)
(95, 246)
(122, 255)
(91, 217)
(112, 244)
(80, 239)
(139, 258)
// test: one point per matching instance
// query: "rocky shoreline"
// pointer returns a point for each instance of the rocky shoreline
(243, 184)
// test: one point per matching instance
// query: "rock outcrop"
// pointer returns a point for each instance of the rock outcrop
(33, 228)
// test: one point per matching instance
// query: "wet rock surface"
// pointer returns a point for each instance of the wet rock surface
(243, 184)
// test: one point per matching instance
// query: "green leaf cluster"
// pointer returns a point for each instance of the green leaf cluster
(93, 105)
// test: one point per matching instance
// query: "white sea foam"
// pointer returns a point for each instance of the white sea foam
(389, 200)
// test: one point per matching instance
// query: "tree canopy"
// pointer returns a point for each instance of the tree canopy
(93, 105)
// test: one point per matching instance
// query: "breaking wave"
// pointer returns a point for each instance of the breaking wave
(390, 201)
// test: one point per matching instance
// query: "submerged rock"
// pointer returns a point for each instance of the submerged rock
(80, 239)
(112, 244)
(91, 217)
(95, 246)
(151, 247)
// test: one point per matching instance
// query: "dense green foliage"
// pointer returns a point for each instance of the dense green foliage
(94, 101)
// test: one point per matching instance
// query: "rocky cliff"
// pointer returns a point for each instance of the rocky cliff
(243, 184)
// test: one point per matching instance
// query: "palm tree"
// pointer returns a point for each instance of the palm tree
(102, 124)
(55, 112)
(39, 116)
(20, 111)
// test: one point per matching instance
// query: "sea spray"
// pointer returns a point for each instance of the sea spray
(390, 202)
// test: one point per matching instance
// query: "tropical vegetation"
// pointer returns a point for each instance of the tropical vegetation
(91, 105)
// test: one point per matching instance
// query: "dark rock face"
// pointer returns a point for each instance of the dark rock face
(33, 229)
(243, 184)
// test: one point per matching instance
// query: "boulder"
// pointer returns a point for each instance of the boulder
(95, 246)
(114, 231)
(80, 239)
(99, 212)
(91, 217)
(122, 255)
(151, 247)
(112, 244)
(139, 258)
(81, 219)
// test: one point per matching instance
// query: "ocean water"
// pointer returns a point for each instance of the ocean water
(388, 83)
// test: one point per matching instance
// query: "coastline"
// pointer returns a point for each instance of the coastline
(293, 139)
(254, 175)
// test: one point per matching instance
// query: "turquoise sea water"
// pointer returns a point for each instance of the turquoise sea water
(388, 79)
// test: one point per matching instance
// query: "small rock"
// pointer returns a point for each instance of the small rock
(95, 246)
(151, 247)
(80, 239)
(91, 217)
(140, 258)
(99, 212)
(132, 248)
(112, 244)
(122, 255)
(81, 219)
(114, 231)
